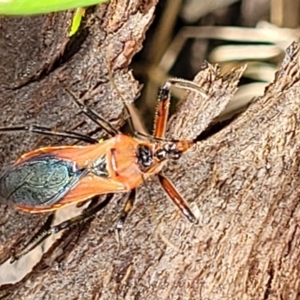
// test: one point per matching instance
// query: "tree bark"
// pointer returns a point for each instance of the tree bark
(242, 183)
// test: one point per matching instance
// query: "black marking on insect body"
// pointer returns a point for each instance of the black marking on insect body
(99, 167)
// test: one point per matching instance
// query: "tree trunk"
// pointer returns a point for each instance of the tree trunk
(242, 182)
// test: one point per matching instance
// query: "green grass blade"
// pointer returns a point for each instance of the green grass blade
(79, 13)
(30, 7)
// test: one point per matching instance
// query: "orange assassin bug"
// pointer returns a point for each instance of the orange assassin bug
(49, 178)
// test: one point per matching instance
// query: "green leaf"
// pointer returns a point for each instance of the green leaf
(79, 13)
(30, 7)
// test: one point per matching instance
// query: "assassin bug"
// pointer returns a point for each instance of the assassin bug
(49, 178)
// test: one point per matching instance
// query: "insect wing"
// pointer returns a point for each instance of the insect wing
(49, 178)
(92, 185)
(40, 181)
(83, 156)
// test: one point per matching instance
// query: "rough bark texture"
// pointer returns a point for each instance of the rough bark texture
(242, 183)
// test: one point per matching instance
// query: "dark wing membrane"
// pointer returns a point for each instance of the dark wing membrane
(42, 180)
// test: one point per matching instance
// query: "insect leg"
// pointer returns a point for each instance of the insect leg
(162, 111)
(87, 214)
(49, 131)
(127, 208)
(15, 256)
(176, 198)
(163, 103)
(111, 130)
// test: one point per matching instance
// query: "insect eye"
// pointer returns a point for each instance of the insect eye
(144, 156)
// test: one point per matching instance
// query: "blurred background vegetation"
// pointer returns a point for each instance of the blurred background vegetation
(184, 33)
(226, 32)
